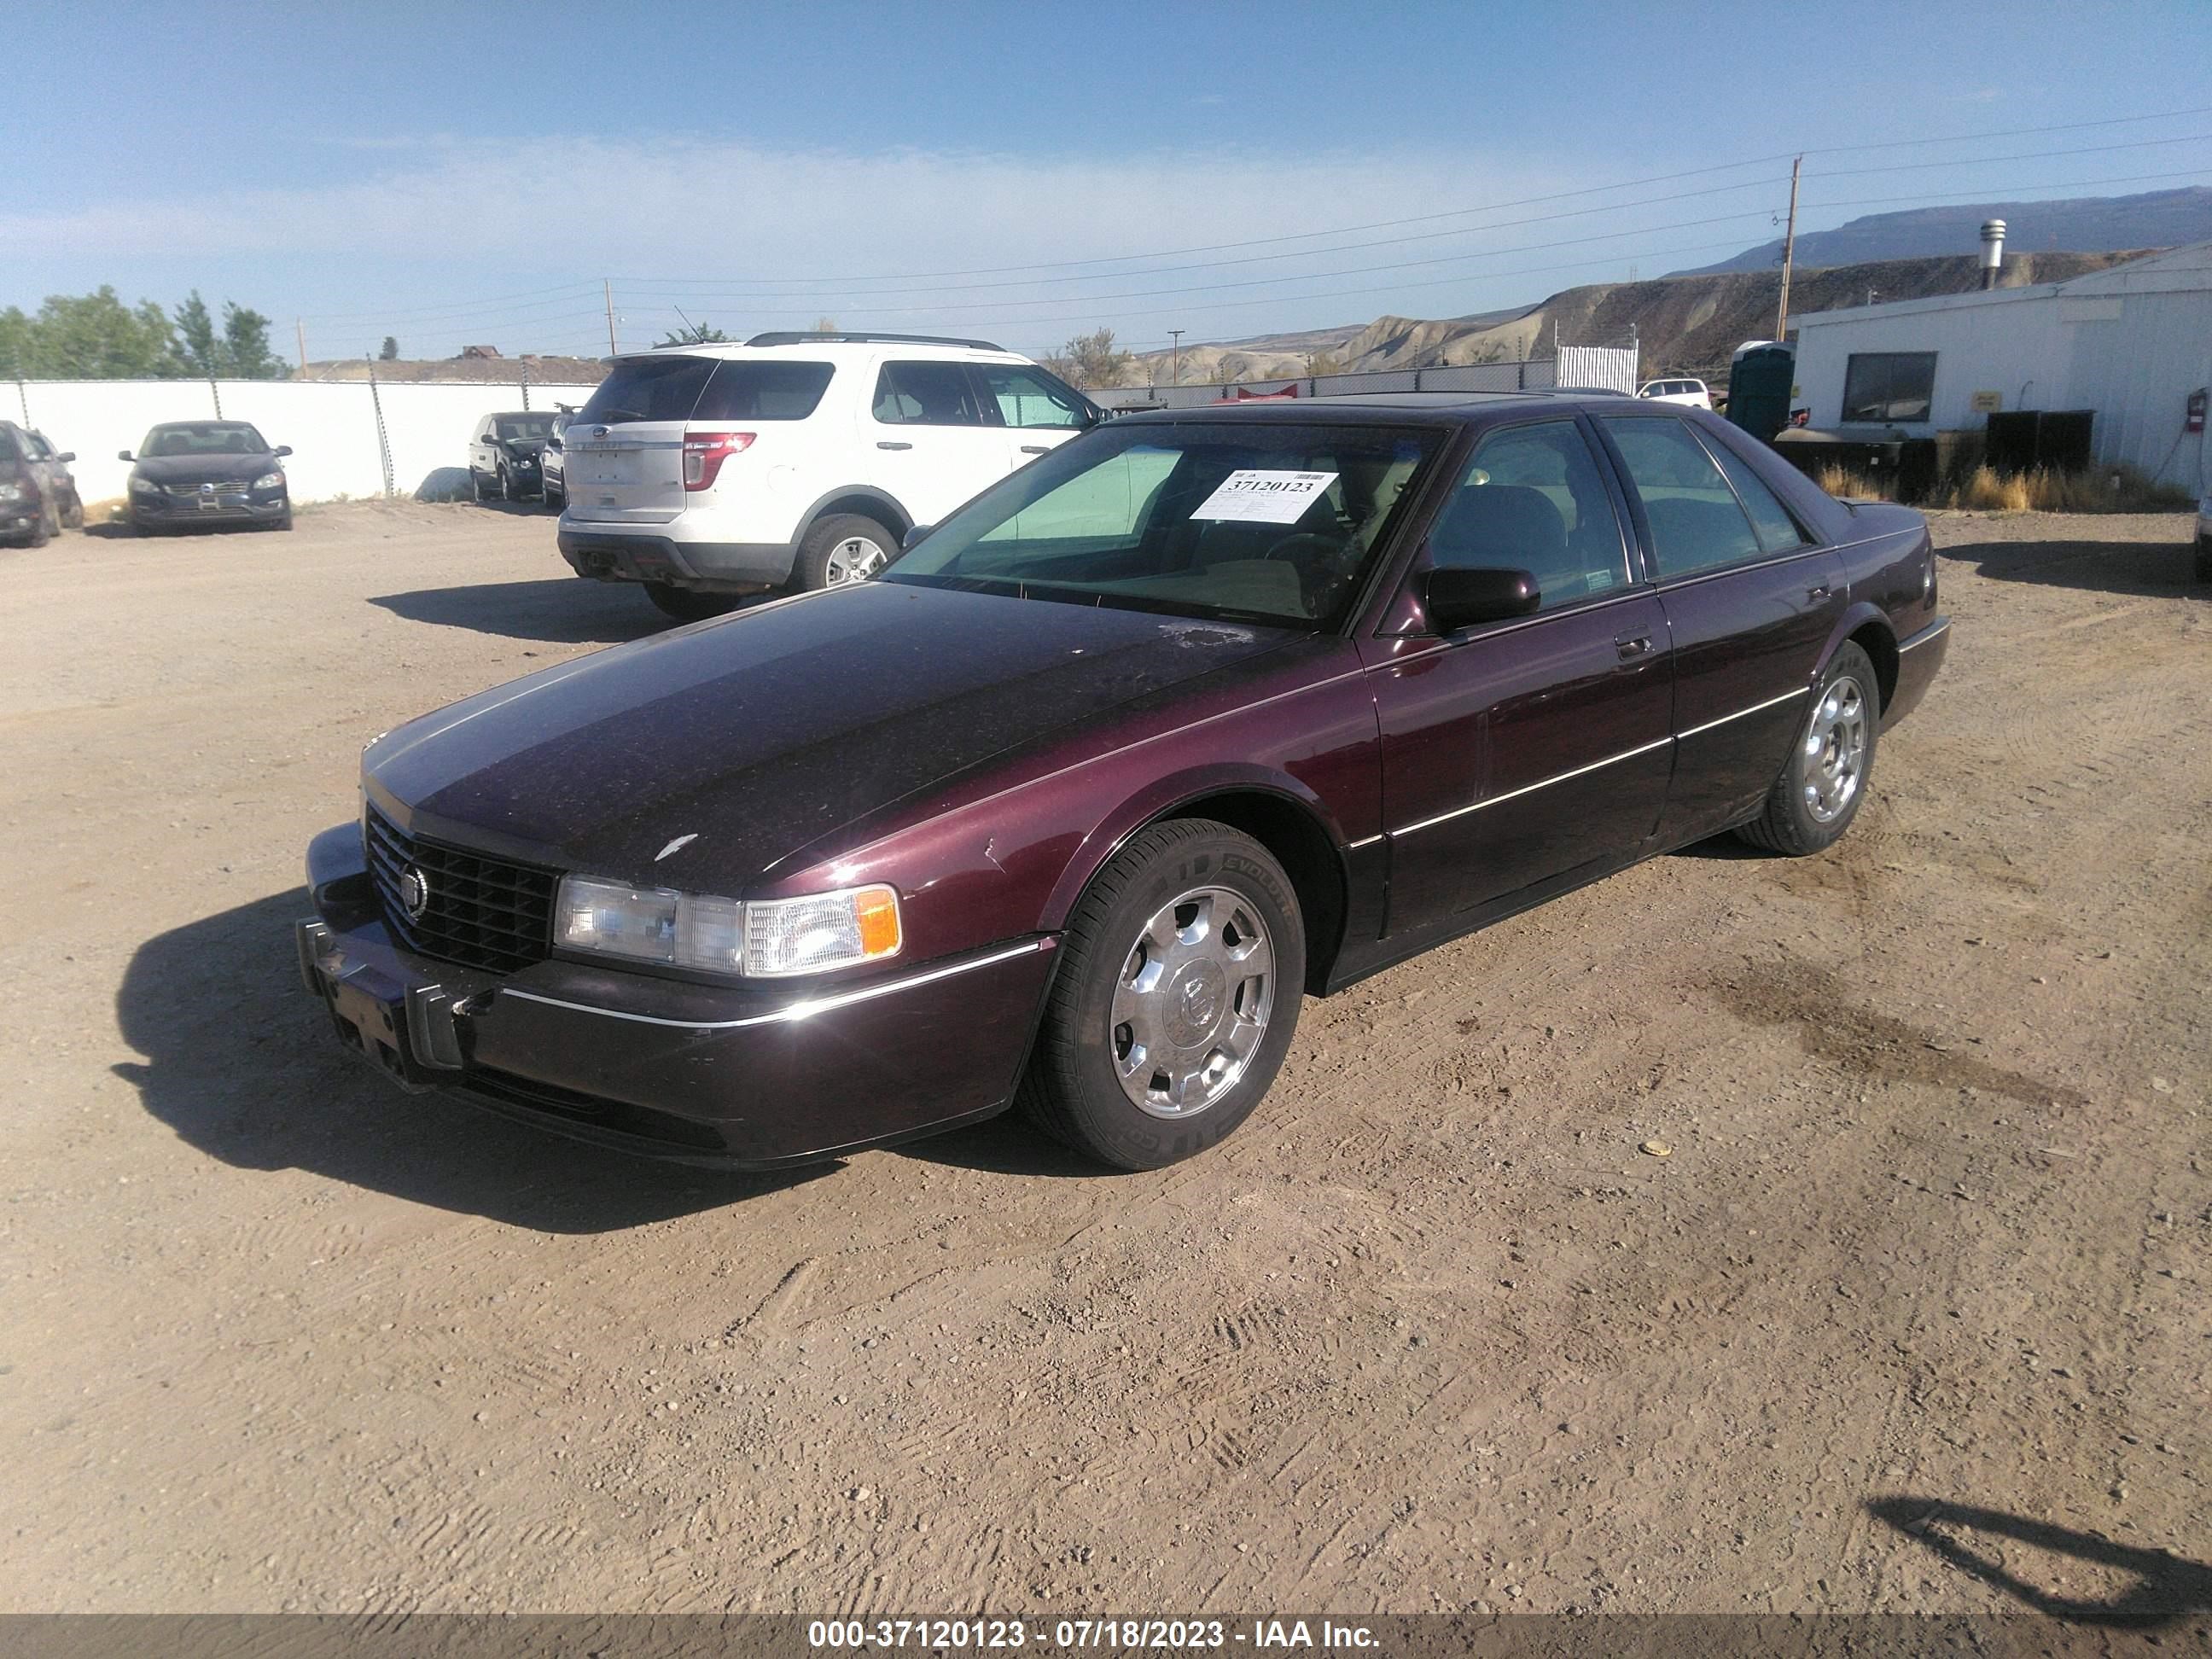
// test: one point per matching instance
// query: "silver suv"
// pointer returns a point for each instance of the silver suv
(709, 473)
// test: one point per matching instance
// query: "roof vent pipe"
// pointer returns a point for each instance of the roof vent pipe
(1993, 232)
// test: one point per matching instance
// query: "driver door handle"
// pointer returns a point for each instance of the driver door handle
(1814, 595)
(1632, 646)
(884, 443)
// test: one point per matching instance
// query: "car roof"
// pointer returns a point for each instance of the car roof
(1381, 408)
(833, 351)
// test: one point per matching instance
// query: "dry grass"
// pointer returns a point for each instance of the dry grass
(2090, 490)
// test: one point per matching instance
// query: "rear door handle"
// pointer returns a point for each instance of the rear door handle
(1632, 646)
(1814, 595)
(882, 443)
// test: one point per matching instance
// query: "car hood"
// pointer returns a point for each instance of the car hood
(746, 739)
(522, 446)
(204, 469)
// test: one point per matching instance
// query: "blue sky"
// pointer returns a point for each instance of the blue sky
(470, 172)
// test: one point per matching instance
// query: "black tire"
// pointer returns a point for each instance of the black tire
(555, 498)
(1073, 1089)
(506, 486)
(2204, 558)
(1792, 822)
(73, 514)
(46, 527)
(685, 605)
(284, 523)
(475, 486)
(822, 544)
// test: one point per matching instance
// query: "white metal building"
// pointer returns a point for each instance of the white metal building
(2131, 343)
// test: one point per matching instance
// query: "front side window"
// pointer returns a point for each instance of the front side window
(648, 389)
(1025, 397)
(1696, 521)
(1532, 499)
(750, 390)
(1889, 386)
(925, 394)
(1228, 519)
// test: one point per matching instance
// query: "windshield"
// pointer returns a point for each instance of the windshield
(1267, 523)
(523, 428)
(204, 438)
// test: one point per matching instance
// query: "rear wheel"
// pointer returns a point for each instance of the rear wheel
(1175, 1000)
(1825, 781)
(685, 605)
(2204, 558)
(841, 549)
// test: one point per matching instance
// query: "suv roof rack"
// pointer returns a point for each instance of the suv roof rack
(891, 339)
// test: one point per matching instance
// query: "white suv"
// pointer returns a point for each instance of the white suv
(1690, 393)
(802, 460)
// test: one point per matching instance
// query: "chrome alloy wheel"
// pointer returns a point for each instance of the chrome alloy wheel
(1192, 1001)
(1835, 750)
(854, 560)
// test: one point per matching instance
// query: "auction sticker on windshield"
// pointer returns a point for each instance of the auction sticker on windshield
(1258, 495)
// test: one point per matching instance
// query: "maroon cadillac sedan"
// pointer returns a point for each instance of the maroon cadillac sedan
(1203, 712)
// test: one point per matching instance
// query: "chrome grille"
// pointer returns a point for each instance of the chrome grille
(482, 912)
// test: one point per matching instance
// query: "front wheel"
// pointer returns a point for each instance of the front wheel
(1824, 780)
(841, 550)
(477, 487)
(506, 486)
(555, 497)
(1175, 1000)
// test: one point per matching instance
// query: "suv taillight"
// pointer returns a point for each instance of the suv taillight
(704, 453)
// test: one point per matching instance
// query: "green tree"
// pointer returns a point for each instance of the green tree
(91, 336)
(14, 344)
(245, 353)
(389, 352)
(196, 338)
(695, 334)
(1091, 360)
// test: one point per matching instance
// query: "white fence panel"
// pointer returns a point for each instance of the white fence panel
(1613, 367)
(330, 424)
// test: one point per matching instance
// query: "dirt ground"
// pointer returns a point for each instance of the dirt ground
(1912, 1318)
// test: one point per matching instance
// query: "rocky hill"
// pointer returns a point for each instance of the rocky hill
(2094, 224)
(1685, 324)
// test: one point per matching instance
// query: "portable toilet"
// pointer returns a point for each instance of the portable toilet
(1762, 375)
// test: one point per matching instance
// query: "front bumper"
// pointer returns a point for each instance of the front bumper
(241, 508)
(716, 1075)
(624, 555)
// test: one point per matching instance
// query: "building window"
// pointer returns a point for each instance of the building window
(1889, 386)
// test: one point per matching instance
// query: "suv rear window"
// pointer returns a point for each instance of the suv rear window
(649, 389)
(754, 391)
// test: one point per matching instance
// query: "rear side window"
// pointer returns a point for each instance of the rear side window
(754, 391)
(649, 389)
(925, 394)
(1777, 531)
(1696, 521)
(1025, 397)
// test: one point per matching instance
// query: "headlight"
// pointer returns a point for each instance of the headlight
(11, 492)
(144, 487)
(768, 940)
(269, 481)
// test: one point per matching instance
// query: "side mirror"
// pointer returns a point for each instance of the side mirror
(122, 454)
(1094, 416)
(915, 535)
(66, 456)
(281, 450)
(1457, 597)
(553, 441)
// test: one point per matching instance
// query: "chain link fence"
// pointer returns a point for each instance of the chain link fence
(1610, 366)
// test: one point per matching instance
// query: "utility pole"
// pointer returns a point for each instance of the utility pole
(1789, 253)
(1176, 377)
(300, 327)
(608, 284)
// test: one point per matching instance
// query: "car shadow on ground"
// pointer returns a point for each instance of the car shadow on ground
(562, 611)
(2167, 1586)
(242, 1063)
(2160, 569)
(1006, 1145)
